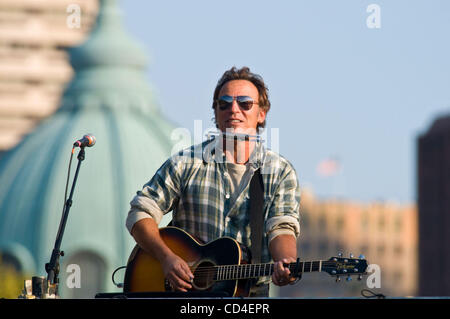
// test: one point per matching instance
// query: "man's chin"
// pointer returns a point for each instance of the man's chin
(240, 130)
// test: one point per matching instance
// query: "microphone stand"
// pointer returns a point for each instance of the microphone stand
(52, 268)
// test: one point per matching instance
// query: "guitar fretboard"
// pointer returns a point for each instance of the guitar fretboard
(245, 271)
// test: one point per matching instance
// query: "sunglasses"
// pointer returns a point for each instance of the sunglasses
(244, 102)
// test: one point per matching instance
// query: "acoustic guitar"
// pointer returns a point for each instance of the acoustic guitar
(221, 265)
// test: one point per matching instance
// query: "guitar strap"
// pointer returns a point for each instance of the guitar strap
(256, 215)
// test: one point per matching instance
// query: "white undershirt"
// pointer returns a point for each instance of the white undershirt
(236, 171)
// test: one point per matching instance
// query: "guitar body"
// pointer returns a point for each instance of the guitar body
(144, 273)
(220, 266)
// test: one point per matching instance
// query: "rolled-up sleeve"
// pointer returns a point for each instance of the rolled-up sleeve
(158, 197)
(284, 214)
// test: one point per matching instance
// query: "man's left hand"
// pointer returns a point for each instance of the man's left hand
(281, 275)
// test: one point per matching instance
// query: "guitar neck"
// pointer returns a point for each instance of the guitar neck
(246, 271)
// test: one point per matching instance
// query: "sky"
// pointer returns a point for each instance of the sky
(355, 81)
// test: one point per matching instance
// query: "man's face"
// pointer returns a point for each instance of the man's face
(234, 118)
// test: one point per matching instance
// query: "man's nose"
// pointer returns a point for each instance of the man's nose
(235, 107)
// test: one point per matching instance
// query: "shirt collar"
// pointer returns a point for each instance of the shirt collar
(213, 152)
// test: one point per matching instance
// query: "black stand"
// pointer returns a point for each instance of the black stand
(52, 268)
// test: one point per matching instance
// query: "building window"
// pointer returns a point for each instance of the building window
(340, 223)
(397, 277)
(322, 224)
(365, 221)
(398, 224)
(381, 223)
(380, 250)
(398, 250)
(323, 247)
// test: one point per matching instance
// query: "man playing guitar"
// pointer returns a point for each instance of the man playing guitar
(207, 188)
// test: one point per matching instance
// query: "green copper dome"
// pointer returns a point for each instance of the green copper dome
(108, 43)
(109, 98)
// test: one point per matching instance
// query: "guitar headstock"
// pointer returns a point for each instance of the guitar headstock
(341, 266)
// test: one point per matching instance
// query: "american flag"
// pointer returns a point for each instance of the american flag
(328, 167)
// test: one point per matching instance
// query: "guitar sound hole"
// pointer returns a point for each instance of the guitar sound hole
(204, 275)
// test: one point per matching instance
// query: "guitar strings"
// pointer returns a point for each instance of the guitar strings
(211, 271)
(261, 266)
(233, 271)
(213, 268)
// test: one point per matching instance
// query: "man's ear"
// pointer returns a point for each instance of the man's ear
(261, 116)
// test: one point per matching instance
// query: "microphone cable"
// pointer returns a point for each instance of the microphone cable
(370, 294)
(118, 285)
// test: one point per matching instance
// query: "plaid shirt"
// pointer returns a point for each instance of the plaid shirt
(195, 185)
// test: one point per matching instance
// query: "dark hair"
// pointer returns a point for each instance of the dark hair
(244, 74)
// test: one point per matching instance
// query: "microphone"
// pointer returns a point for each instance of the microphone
(87, 140)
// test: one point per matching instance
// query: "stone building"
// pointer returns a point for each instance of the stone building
(34, 66)
(109, 97)
(385, 233)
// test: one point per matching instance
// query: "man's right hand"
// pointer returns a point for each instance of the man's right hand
(177, 272)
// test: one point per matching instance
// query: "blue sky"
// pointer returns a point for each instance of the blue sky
(338, 88)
